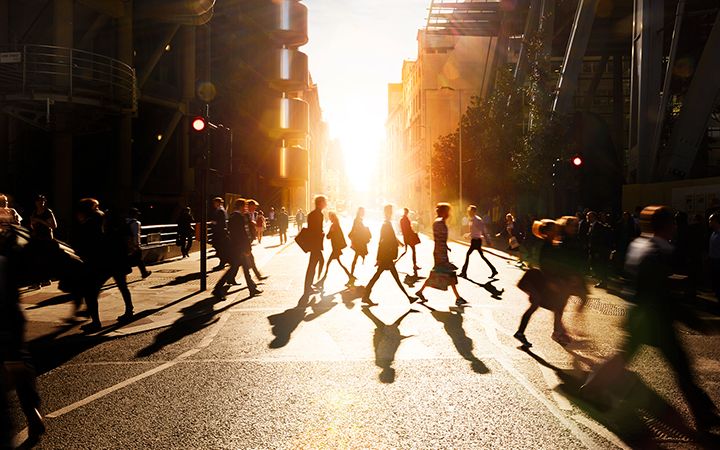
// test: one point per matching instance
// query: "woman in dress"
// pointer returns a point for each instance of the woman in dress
(443, 273)
(260, 226)
(337, 240)
(360, 238)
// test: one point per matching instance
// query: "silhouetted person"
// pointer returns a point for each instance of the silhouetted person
(315, 234)
(186, 231)
(360, 238)
(625, 232)
(218, 228)
(714, 252)
(283, 221)
(89, 244)
(260, 223)
(15, 368)
(546, 286)
(477, 234)
(410, 238)
(386, 256)
(8, 215)
(652, 319)
(251, 216)
(598, 248)
(118, 261)
(239, 249)
(338, 243)
(43, 226)
(136, 258)
(443, 273)
(299, 219)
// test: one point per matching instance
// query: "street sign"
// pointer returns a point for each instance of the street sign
(10, 57)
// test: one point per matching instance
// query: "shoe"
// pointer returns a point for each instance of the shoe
(218, 294)
(521, 337)
(366, 300)
(146, 274)
(218, 267)
(494, 274)
(416, 268)
(412, 299)
(255, 292)
(91, 327)
(127, 317)
(36, 426)
(463, 275)
(234, 283)
(420, 296)
(263, 277)
(460, 301)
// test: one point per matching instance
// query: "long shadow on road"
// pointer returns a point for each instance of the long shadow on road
(631, 409)
(386, 341)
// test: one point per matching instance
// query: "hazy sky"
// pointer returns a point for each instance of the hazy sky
(356, 48)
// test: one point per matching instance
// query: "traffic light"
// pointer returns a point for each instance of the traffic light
(199, 124)
(577, 161)
(198, 140)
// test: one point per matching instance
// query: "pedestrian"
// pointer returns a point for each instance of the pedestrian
(43, 226)
(218, 231)
(442, 274)
(185, 231)
(360, 237)
(136, 258)
(119, 258)
(8, 215)
(260, 225)
(283, 221)
(651, 320)
(251, 216)
(315, 243)
(299, 219)
(338, 243)
(476, 233)
(386, 256)
(545, 286)
(598, 248)
(16, 371)
(714, 252)
(410, 238)
(239, 250)
(89, 245)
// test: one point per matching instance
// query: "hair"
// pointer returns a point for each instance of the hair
(472, 209)
(219, 200)
(332, 215)
(360, 210)
(253, 202)
(442, 208)
(656, 218)
(387, 209)
(509, 216)
(240, 203)
(406, 210)
(319, 199)
(87, 205)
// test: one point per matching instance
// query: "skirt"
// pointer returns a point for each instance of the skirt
(441, 277)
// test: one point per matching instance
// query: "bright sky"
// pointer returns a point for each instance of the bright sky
(356, 48)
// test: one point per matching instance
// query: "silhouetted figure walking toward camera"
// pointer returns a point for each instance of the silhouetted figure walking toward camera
(251, 216)
(360, 238)
(477, 234)
(714, 252)
(299, 219)
(598, 248)
(442, 274)
(652, 319)
(337, 240)
(186, 232)
(387, 254)
(43, 226)
(410, 238)
(218, 228)
(315, 240)
(117, 235)
(135, 250)
(239, 251)
(283, 221)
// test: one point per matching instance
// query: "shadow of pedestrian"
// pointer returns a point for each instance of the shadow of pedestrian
(453, 323)
(52, 301)
(286, 322)
(325, 304)
(386, 341)
(630, 409)
(182, 279)
(494, 292)
(194, 318)
(351, 294)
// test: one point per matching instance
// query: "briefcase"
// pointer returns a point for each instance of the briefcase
(304, 240)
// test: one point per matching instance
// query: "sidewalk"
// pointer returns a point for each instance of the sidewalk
(159, 300)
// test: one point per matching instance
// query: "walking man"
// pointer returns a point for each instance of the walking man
(218, 228)
(239, 248)
(251, 216)
(283, 220)
(477, 233)
(135, 250)
(315, 221)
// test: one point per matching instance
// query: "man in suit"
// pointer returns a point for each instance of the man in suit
(239, 249)
(283, 220)
(218, 228)
(386, 256)
(316, 263)
(598, 248)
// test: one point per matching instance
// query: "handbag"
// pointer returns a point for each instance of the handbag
(303, 239)
(513, 243)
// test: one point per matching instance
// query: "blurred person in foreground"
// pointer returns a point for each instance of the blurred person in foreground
(651, 321)
(714, 252)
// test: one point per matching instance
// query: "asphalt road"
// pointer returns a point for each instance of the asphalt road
(279, 371)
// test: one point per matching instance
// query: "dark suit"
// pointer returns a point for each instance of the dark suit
(315, 229)
(239, 249)
(387, 253)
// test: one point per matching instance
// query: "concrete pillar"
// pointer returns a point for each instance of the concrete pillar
(123, 194)
(189, 62)
(621, 139)
(62, 194)
(4, 120)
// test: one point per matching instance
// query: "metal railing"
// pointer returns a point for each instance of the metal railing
(37, 72)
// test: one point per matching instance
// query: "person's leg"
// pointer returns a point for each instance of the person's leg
(310, 272)
(354, 263)
(463, 272)
(141, 264)
(321, 263)
(121, 282)
(371, 283)
(327, 269)
(396, 277)
(253, 266)
(29, 399)
(347, 272)
(525, 319)
(91, 301)
(252, 287)
(493, 270)
(414, 259)
(455, 291)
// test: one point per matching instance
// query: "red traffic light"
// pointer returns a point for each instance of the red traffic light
(577, 161)
(199, 124)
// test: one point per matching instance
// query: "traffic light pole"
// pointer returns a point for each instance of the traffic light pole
(203, 221)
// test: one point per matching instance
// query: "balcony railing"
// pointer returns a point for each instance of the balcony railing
(61, 74)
